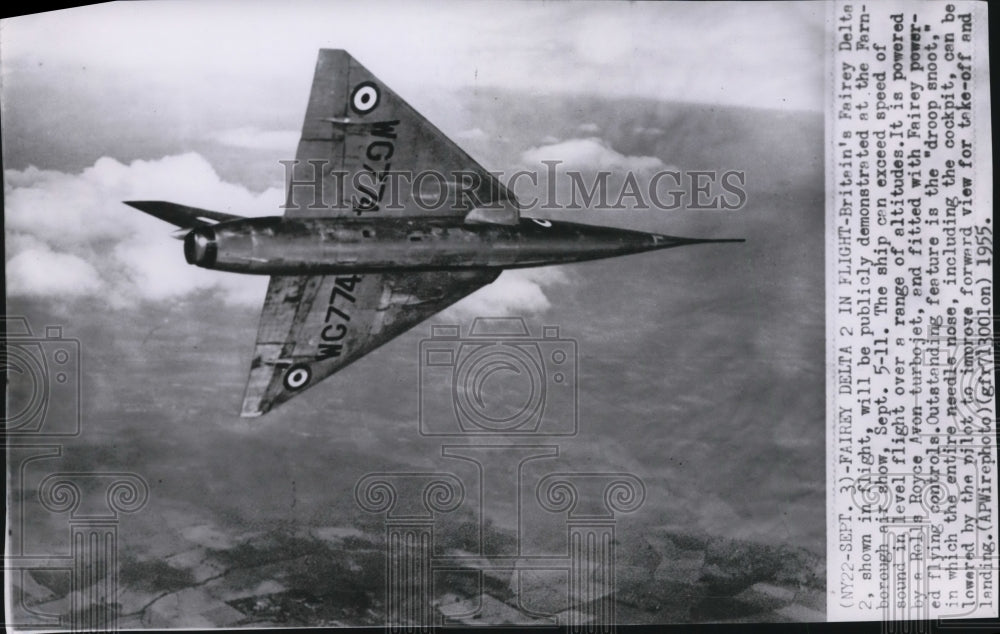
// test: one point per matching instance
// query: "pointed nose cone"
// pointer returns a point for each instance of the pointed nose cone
(665, 242)
(602, 242)
(654, 241)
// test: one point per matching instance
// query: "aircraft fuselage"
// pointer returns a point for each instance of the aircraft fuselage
(283, 246)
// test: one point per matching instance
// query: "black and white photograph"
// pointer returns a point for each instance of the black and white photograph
(339, 314)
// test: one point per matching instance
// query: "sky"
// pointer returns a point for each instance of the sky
(701, 368)
(757, 54)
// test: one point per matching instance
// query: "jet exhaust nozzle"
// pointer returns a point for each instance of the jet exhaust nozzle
(200, 247)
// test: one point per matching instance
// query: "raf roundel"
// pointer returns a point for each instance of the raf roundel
(364, 97)
(297, 377)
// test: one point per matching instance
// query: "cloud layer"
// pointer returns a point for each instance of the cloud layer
(590, 153)
(70, 234)
(515, 292)
(40, 271)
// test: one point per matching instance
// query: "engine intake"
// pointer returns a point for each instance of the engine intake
(200, 247)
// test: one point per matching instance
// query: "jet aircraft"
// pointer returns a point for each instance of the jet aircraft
(351, 269)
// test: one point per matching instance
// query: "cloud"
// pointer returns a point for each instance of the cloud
(475, 134)
(69, 234)
(589, 128)
(651, 131)
(515, 292)
(252, 138)
(577, 174)
(591, 154)
(40, 271)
